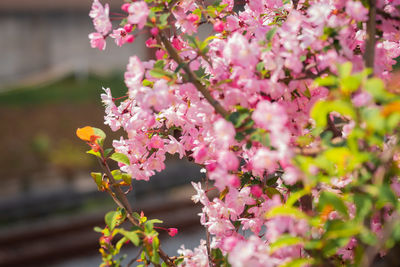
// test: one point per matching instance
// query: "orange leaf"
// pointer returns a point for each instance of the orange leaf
(85, 133)
(391, 108)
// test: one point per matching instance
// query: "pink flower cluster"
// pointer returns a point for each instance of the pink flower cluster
(263, 59)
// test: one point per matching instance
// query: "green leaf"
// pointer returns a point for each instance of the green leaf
(261, 136)
(127, 178)
(119, 157)
(164, 19)
(332, 245)
(131, 235)
(295, 196)
(238, 117)
(260, 66)
(286, 211)
(285, 240)
(98, 179)
(112, 219)
(363, 206)
(368, 237)
(328, 81)
(344, 70)
(159, 64)
(155, 257)
(322, 108)
(376, 88)
(99, 132)
(153, 221)
(386, 195)
(148, 226)
(350, 84)
(271, 191)
(336, 229)
(160, 73)
(298, 263)
(332, 199)
(97, 229)
(270, 34)
(97, 154)
(107, 152)
(120, 243)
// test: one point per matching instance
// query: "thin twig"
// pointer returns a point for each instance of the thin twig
(134, 259)
(369, 55)
(122, 201)
(192, 77)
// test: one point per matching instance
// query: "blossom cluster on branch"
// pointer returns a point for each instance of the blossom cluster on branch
(297, 135)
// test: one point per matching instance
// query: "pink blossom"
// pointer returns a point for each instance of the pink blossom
(138, 13)
(151, 42)
(134, 73)
(97, 41)
(175, 147)
(182, 22)
(192, 17)
(172, 231)
(219, 26)
(361, 99)
(228, 160)
(224, 132)
(156, 142)
(265, 159)
(238, 51)
(160, 54)
(356, 10)
(101, 20)
(270, 116)
(200, 154)
(121, 36)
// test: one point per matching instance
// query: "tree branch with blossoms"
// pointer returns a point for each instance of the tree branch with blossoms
(278, 104)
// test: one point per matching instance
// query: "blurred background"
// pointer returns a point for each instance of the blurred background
(50, 84)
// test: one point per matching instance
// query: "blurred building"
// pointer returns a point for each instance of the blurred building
(45, 39)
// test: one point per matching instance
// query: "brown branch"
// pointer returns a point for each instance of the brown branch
(192, 77)
(369, 55)
(122, 201)
(372, 251)
(332, 127)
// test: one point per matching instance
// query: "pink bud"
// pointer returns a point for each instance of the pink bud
(128, 27)
(234, 181)
(150, 42)
(256, 191)
(177, 43)
(160, 54)
(219, 26)
(211, 167)
(154, 31)
(130, 38)
(172, 231)
(192, 17)
(149, 239)
(125, 7)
